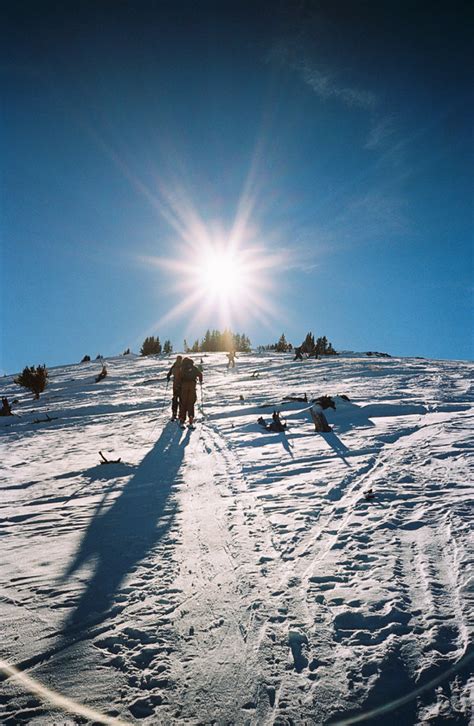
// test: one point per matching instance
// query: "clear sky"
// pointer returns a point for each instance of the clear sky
(330, 142)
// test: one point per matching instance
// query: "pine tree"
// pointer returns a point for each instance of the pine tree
(308, 344)
(167, 347)
(206, 342)
(282, 345)
(151, 346)
(324, 347)
(237, 342)
(215, 340)
(245, 344)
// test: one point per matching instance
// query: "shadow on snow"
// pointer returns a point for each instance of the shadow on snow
(121, 535)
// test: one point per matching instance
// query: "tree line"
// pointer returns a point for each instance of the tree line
(321, 346)
(215, 341)
(152, 346)
(309, 346)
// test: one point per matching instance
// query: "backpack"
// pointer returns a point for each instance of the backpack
(188, 371)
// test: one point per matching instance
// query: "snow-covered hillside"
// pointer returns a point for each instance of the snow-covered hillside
(230, 575)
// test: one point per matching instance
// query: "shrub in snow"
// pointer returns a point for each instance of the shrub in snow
(126, 352)
(86, 359)
(35, 379)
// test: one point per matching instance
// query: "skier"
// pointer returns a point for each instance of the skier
(187, 398)
(231, 357)
(298, 354)
(175, 371)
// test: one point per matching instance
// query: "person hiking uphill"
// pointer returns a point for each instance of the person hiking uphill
(231, 357)
(175, 371)
(189, 375)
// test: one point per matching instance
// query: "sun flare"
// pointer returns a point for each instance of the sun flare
(222, 281)
(222, 274)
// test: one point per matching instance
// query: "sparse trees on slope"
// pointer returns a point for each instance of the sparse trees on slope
(245, 345)
(324, 347)
(151, 346)
(308, 344)
(321, 347)
(215, 341)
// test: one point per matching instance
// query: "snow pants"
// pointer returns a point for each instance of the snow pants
(187, 399)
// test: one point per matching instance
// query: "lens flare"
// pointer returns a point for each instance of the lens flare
(223, 274)
(221, 279)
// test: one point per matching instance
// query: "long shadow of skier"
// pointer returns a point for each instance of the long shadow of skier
(120, 536)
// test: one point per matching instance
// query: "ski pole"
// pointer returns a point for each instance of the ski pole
(164, 397)
(202, 399)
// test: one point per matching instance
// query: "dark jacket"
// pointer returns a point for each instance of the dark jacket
(175, 371)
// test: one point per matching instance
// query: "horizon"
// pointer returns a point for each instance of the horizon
(174, 167)
(371, 354)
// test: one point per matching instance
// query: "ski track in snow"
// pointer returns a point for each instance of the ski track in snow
(230, 575)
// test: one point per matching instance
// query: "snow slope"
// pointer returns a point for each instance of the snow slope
(230, 575)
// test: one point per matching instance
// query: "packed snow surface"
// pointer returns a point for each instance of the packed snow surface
(229, 574)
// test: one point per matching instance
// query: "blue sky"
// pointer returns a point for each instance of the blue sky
(344, 131)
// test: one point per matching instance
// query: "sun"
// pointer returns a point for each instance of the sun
(222, 274)
(221, 279)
